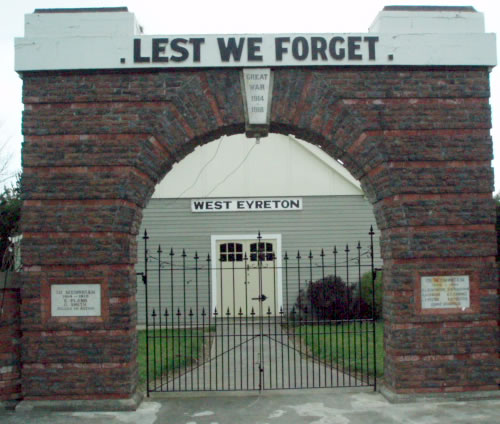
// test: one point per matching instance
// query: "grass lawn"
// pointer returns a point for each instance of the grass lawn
(343, 344)
(181, 348)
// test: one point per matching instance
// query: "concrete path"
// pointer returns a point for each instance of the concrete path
(252, 356)
(323, 406)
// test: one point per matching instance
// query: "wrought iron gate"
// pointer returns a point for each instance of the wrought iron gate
(318, 331)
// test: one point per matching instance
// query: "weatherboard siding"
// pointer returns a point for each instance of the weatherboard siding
(324, 222)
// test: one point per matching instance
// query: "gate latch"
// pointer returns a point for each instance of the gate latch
(260, 298)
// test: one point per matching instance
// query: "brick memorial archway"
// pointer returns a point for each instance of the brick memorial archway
(99, 137)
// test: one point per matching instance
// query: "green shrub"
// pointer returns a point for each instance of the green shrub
(366, 292)
(330, 298)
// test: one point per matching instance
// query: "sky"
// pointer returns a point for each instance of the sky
(218, 17)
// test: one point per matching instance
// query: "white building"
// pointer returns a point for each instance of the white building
(217, 200)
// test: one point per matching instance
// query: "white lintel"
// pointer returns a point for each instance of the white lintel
(110, 38)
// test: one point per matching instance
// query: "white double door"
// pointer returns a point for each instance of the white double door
(247, 278)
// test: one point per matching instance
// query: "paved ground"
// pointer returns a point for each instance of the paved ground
(238, 353)
(306, 406)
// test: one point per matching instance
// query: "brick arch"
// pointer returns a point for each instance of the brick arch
(97, 143)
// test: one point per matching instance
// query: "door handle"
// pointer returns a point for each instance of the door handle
(260, 298)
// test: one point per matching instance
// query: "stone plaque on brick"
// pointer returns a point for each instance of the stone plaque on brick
(445, 292)
(75, 300)
(257, 84)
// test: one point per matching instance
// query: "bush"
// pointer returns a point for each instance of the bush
(366, 293)
(329, 298)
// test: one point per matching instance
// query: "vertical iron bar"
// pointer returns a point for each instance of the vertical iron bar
(145, 280)
(310, 324)
(359, 313)
(228, 318)
(337, 359)
(198, 338)
(275, 329)
(324, 324)
(246, 314)
(184, 330)
(221, 324)
(293, 313)
(172, 312)
(167, 350)
(269, 313)
(216, 359)
(252, 314)
(209, 280)
(204, 370)
(179, 343)
(352, 335)
(154, 349)
(330, 326)
(300, 319)
(367, 344)
(159, 314)
(348, 284)
(234, 321)
(282, 348)
(288, 319)
(191, 361)
(240, 313)
(261, 315)
(371, 233)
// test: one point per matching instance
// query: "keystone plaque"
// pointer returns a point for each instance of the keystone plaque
(75, 300)
(257, 86)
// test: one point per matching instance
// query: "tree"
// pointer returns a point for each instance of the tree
(10, 212)
(5, 158)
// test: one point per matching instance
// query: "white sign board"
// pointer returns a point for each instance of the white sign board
(61, 39)
(246, 205)
(445, 292)
(257, 82)
(188, 51)
(75, 300)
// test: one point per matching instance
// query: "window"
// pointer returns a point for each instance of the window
(265, 251)
(231, 252)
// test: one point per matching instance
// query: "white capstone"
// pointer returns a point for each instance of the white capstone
(428, 22)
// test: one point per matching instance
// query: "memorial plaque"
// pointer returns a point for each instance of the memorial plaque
(445, 292)
(257, 83)
(75, 300)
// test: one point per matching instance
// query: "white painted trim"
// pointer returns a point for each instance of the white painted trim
(328, 160)
(214, 238)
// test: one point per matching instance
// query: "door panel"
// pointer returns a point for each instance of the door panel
(246, 270)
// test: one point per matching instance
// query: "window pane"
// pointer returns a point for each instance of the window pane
(239, 247)
(253, 247)
(253, 257)
(230, 247)
(223, 258)
(223, 248)
(269, 247)
(230, 257)
(239, 257)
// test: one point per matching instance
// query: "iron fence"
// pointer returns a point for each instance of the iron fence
(250, 320)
